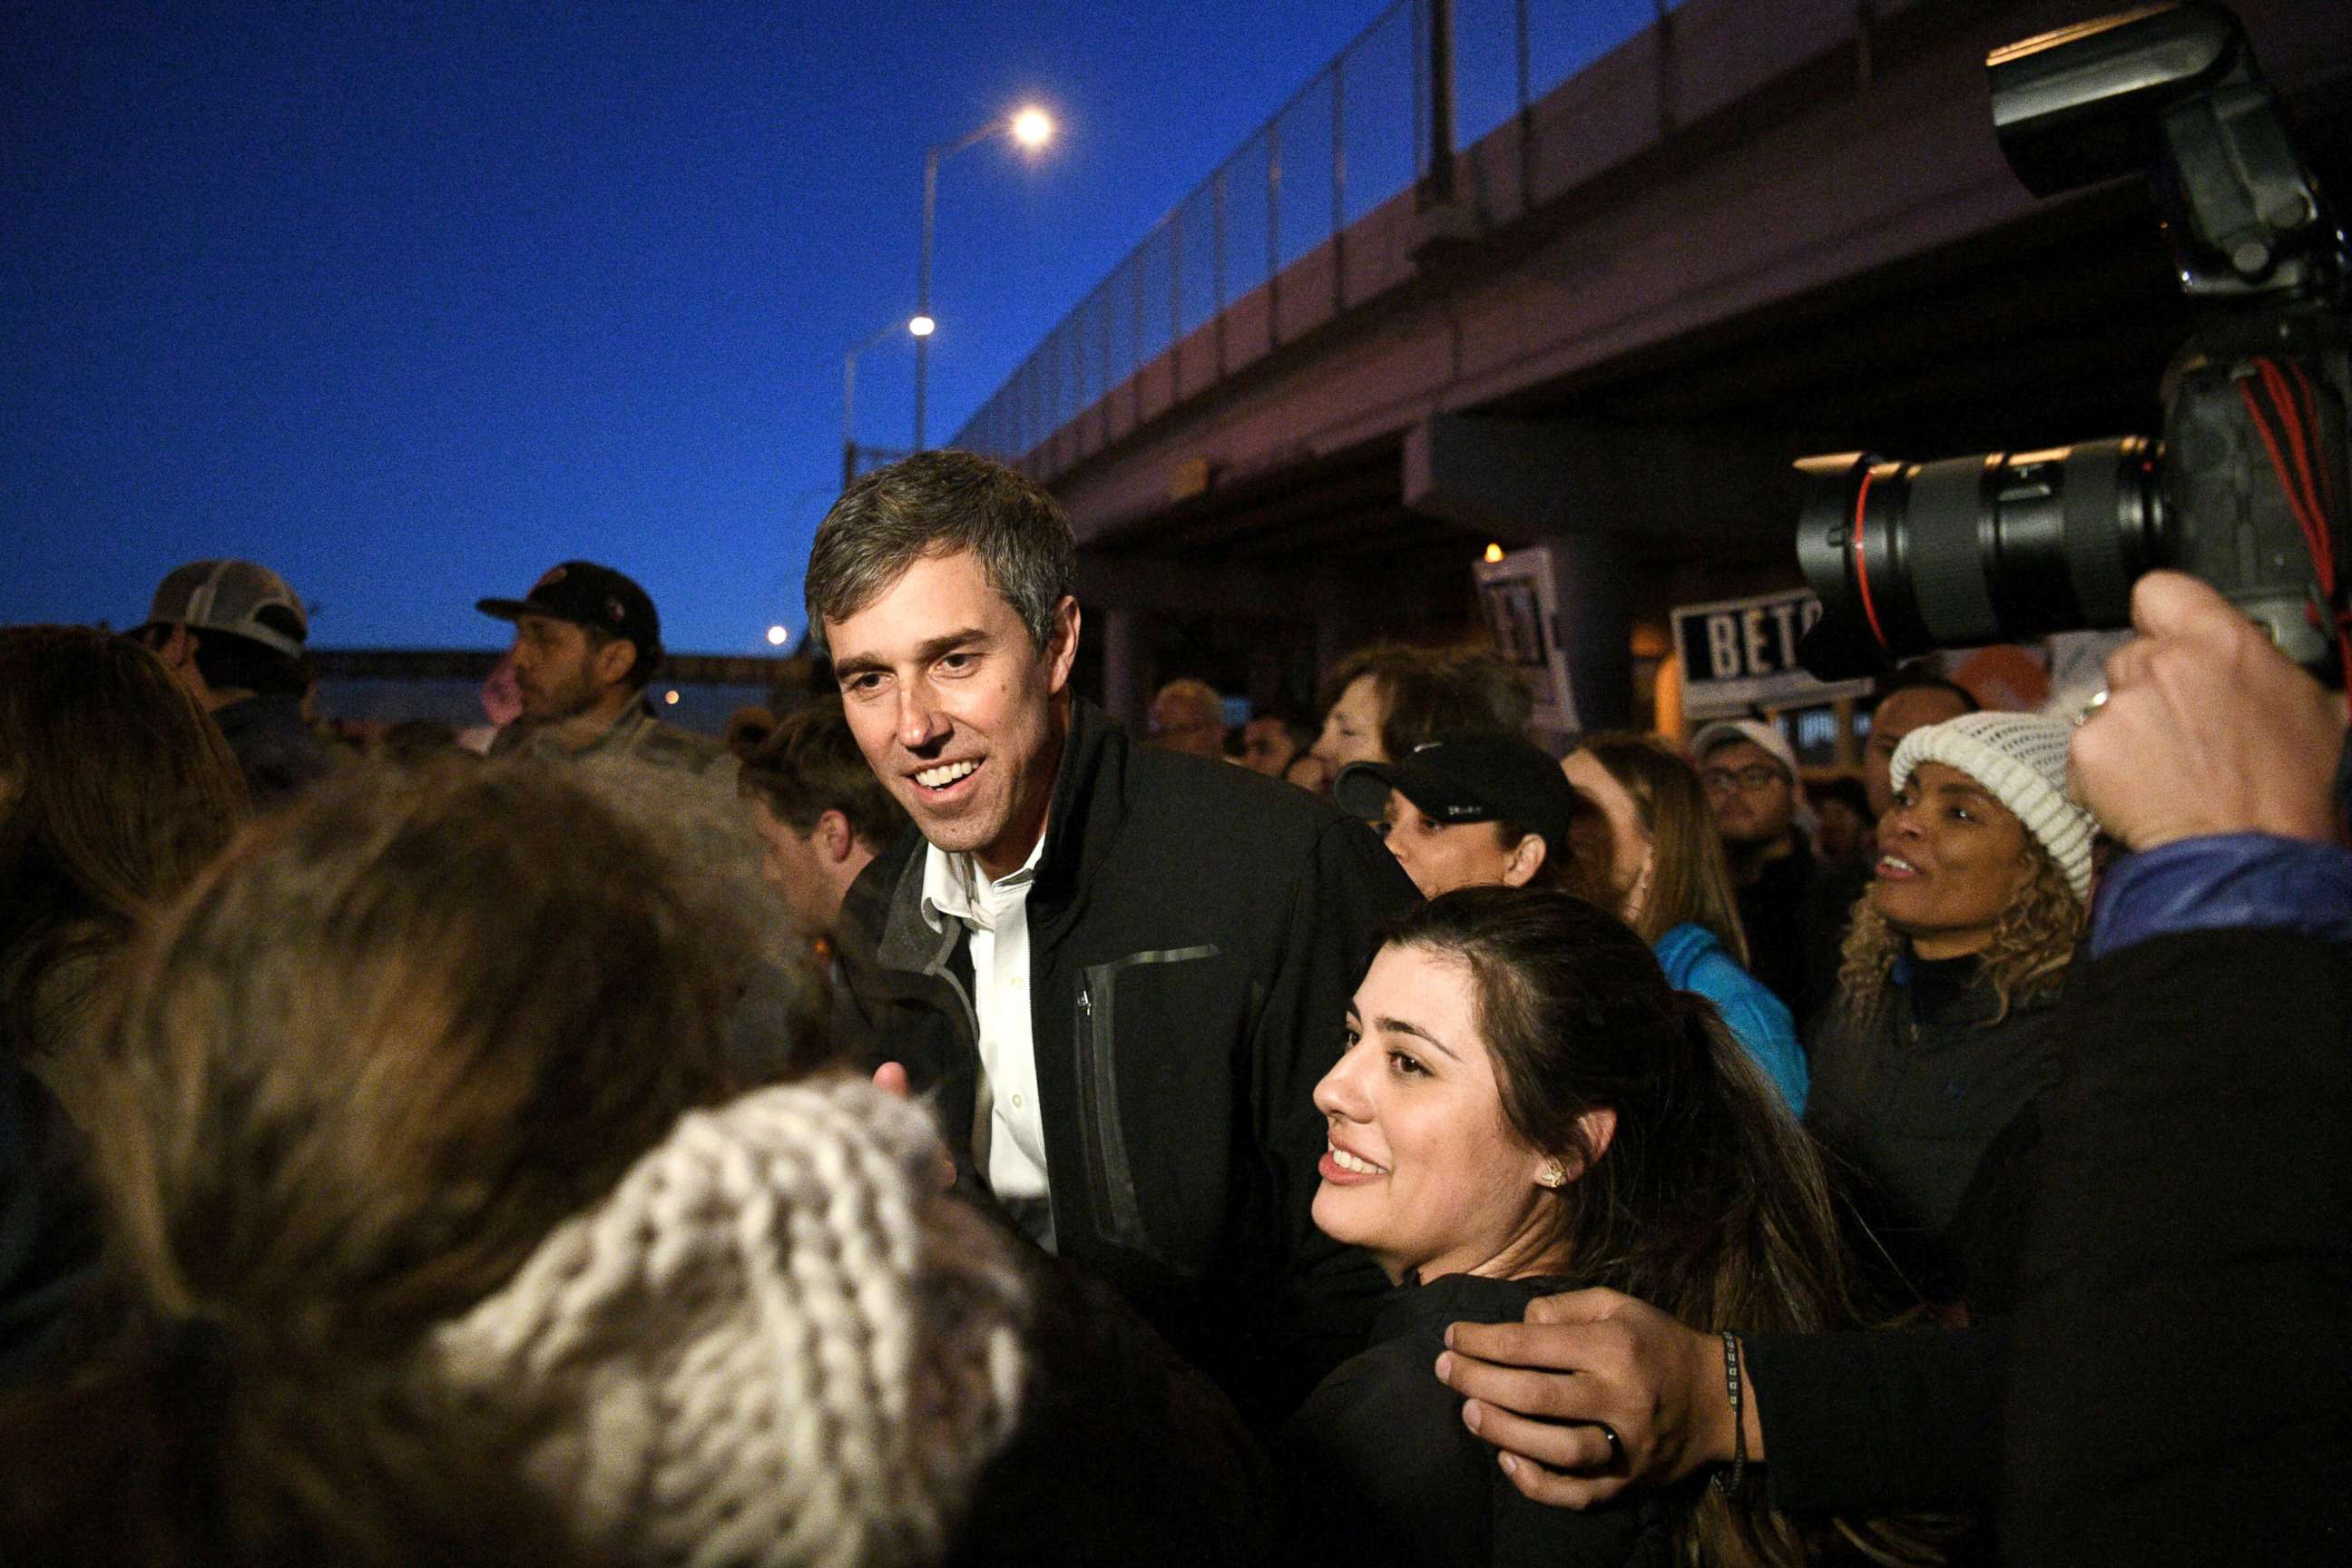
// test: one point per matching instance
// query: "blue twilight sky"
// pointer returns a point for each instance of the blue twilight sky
(411, 301)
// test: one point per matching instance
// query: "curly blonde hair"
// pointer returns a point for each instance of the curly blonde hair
(2031, 944)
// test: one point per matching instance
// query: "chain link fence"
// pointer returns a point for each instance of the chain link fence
(1355, 136)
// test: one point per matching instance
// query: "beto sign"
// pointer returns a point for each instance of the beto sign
(1739, 654)
(1520, 597)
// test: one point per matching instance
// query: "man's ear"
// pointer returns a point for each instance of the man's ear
(1526, 858)
(1062, 644)
(833, 837)
(614, 660)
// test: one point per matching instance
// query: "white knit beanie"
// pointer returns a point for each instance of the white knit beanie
(774, 1343)
(2021, 759)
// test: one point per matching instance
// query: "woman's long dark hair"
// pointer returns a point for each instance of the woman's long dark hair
(1710, 1202)
(118, 788)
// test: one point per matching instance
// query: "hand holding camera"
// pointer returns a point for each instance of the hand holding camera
(2207, 728)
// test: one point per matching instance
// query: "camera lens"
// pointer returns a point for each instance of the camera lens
(2000, 546)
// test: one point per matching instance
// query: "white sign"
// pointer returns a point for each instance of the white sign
(1519, 596)
(1739, 654)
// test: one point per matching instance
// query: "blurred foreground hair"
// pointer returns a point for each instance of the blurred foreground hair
(384, 1045)
(392, 1038)
(115, 787)
(191, 1450)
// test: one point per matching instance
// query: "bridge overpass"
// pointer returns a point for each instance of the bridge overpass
(1751, 230)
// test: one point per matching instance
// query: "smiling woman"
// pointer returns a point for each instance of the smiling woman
(1423, 1170)
(1938, 1043)
(1525, 1106)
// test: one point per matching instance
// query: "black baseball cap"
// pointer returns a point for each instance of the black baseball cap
(1471, 777)
(588, 594)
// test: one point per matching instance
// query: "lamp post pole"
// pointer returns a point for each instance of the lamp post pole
(849, 399)
(1029, 128)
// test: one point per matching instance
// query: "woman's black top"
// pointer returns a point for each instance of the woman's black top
(1911, 1096)
(1384, 1472)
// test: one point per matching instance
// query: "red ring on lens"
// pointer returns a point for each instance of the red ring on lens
(1861, 563)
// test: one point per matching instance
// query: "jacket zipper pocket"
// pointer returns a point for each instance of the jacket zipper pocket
(1090, 1112)
(1110, 1182)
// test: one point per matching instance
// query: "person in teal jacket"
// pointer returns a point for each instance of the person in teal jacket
(1694, 960)
(1652, 847)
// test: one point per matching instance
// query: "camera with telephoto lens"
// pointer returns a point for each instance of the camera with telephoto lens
(2247, 488)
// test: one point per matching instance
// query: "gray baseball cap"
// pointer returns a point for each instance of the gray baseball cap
(232, 596)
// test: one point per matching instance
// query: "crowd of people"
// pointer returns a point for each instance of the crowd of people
(936, 1125)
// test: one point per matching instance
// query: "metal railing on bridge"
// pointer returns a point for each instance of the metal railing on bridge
(1355, 136)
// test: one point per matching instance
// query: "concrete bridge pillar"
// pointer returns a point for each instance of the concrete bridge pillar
(1593, 492)
(1594, 627)
(1127, 674)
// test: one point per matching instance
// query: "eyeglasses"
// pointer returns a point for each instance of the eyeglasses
(1753, 777)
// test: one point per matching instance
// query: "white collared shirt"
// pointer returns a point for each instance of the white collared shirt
(997, 916)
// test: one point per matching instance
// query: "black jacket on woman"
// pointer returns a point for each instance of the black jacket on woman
(1908, 1098)
(1383, 1470)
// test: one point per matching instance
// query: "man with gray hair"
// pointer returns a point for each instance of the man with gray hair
(1118, 972)
(1187, 715)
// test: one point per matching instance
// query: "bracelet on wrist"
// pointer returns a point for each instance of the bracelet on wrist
(1729, 1482)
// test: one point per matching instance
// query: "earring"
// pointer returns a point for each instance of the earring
(1555, 1175)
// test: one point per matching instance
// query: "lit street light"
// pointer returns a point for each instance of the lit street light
(1031, 128)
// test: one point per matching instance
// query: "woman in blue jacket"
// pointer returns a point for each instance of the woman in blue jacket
(1664, 865)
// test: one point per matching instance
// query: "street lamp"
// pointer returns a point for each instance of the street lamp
(920, 328)
(1029, 128)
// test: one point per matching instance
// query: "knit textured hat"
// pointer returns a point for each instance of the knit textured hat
(774, 1343)
(2019, 758)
